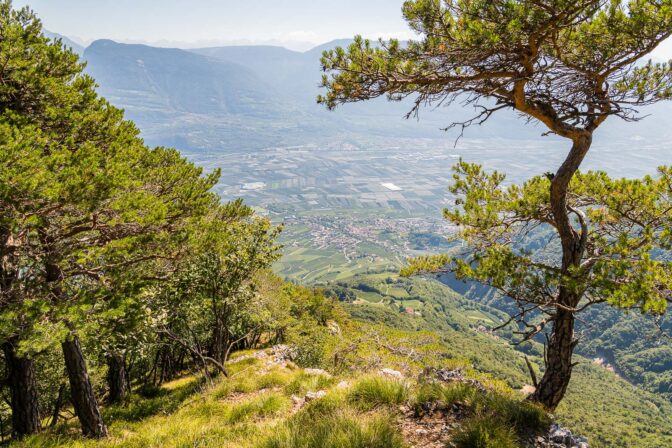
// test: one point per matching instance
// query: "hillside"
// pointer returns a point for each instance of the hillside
(268, 401)
(635, 346)
(159, 80)
(461, 324)
(372, 394)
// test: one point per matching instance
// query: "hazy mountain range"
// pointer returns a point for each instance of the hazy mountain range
(249, 97)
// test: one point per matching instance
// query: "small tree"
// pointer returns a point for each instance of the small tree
(206, 306)
(569, 65)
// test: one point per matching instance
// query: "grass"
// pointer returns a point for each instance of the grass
(264, 406)
(303, 383)
(160, 401)
(375, 391)
(448, 394)
(484, 433)
(339, 430)
(332, 422)
(253, 408)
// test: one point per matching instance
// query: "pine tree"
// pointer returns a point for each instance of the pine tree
(83, 201)
(569, 65)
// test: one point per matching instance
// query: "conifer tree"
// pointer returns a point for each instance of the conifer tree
(570, 66)
(83, 200)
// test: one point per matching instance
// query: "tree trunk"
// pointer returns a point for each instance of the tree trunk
(60, 399)
(561, 343)
(23, 389)
(217, 350)
(83, 399)
(116, 378)
(558, 373)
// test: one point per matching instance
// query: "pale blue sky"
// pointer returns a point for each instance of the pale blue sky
(297, 24)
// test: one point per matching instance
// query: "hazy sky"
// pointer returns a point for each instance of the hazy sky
(295, 23)
(190, 21)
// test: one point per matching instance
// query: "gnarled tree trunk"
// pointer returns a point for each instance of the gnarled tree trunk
(81, 391)
(23, 390)
(553, 384)
(561, 343)
(116, 378)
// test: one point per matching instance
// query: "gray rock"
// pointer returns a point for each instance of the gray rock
(392, 373)
(560, 437)
(312, 396)
(317, 372)
(284, 353)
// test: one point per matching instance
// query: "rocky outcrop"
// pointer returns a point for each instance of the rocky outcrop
(560, 437)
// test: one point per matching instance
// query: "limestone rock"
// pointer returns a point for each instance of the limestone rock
(317, 372)
(312, 396)
(392, 374)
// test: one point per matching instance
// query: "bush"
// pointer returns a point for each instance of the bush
(309, 341)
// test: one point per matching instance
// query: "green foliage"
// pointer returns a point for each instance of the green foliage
(629, 222)
(567, 45)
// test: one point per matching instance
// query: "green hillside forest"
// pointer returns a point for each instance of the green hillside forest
(142, 307)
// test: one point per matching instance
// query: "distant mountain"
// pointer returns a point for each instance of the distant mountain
(251, 97)
(162, 80)
(74, 46)
(296, 74)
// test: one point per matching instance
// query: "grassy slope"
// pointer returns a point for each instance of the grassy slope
(233, 413)
(599, 404)
(254, 409)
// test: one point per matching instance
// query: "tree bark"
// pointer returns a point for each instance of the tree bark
(81, 391)
(220, 336)
(116, 378)
(561, 343)
(553, 385)
(23, 390)
(60, 399)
